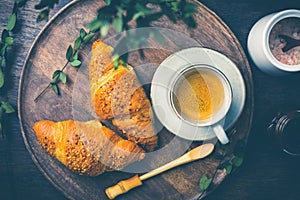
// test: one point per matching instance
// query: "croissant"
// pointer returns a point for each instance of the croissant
(86, 147)
(116, 94)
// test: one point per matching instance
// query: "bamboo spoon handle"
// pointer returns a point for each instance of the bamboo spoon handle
(123, 187)
(126, 185)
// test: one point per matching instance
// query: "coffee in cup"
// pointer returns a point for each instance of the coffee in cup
(201, 95)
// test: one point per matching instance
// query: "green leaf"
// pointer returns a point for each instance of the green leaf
(190, 9)
(175, 6)
(11, 22)
(0, 126)
(104, 29)
(137, 15)
(75, 56)
(95, 25)
(63, 77)
(7, 107)
(75, 63)
(82, 33)
(107, 2)
(204, 182)
(9, 41)
(77, 43)
(228, 169)
(118, 24)
(1, 78)
(3, 62)
(55, 76)
(116, 64)
(143, 9)
(4, 34)
(169, 13)
(55, 88)
(116, 60)
(69, 53)
(125, 56)
(3, 50)
(115, 57)
(43, 15)
(88, 37)
(237, 161)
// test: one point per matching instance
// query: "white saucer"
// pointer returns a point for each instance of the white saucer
(168, 70)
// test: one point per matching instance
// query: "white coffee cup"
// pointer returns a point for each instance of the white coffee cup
(201, 96)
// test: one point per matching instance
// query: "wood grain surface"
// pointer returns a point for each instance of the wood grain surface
(266, 173)
(47, 54)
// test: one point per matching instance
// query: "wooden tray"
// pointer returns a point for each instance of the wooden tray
(48, 54)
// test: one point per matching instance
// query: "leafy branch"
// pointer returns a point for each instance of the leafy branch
(230, 156)
(7, 41)
(6, 38)
(45, 6)
(235, 158)
(119, 15)
(72, 57)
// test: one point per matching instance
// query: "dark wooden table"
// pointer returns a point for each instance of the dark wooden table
(266, 173)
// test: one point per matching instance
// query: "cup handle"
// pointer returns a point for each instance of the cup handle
(220, 133)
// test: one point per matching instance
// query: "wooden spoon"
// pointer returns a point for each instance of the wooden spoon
(126, 185)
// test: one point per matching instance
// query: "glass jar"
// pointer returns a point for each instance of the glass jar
(285, 130)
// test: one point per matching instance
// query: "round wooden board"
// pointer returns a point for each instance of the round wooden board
(48, 54)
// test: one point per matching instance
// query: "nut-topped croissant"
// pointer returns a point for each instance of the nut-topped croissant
(86, 147)
(117, 95)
